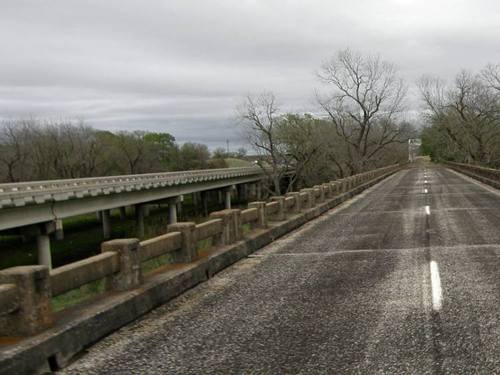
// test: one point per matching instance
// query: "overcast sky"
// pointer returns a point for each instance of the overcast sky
(182, 66)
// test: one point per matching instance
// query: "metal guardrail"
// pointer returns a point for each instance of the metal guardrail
(39, 192)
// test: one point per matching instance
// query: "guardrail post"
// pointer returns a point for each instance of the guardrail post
(130, 274)
(319, 194)
(310, 197)
(280, 215)
(261, 208)
(187, 253)
(231, 224)
(296, 201)
(34, 300)
(327, 190)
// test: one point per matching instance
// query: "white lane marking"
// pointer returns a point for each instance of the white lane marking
(426, 191)
(425, 181)
(427, 210)
(437, 294)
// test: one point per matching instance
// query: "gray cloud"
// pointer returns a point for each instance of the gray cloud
(182, 66)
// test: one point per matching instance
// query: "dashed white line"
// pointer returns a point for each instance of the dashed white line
(426, 191)
(427, 210)
(437, 294)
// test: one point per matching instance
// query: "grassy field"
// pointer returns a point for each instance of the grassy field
(235, 163)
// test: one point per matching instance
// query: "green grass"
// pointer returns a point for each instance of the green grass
(236, 163)
(78, 295)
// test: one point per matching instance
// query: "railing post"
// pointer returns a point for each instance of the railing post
(34, 299)
(187, 253)
(319, 194)
(296, 203)
(261, 208)
(310, 197)
(280, 215)
(130, 274)
(327, 190)
(231, 224)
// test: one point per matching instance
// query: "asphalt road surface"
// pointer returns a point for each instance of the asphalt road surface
(402, 279)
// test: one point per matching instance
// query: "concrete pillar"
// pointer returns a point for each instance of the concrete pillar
(253, 192)
(227, 198)
(172, 213)
(34, 313)
(318, 193)
(219, 197)
(130, 274)
(98, 216)
(296, 203)
(106, 224)
(139, 220)
(43, 245)
(259, 190)
(204, 202)
(310, 197)
(231, 224)
(261, 207)
(280, 215)
(59, 231)
(187, 253)
(123, 213)
(173, 205)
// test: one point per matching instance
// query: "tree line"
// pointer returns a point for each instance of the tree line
(462, 118)
(43, 150)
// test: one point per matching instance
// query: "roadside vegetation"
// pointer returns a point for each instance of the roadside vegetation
(462, 118)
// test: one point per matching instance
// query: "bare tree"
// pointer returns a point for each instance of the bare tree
(467, 112)
(261, 117)
(365, 98)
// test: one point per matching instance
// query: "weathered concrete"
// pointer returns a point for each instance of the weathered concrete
(34, 301)
(83, 325)
(129, 274)
(350, 293)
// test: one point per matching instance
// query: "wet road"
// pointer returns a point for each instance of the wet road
(404, 278)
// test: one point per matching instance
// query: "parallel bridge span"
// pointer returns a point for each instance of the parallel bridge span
(27, 203)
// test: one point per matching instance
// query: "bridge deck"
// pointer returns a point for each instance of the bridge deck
(398, 280)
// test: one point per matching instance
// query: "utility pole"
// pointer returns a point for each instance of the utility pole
(227, 145)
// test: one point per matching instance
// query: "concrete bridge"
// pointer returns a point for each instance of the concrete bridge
(394, 272)
(37, 208)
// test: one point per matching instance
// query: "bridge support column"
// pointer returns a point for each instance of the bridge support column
(172, 210)
(242, 192)
(43, 246)
(259, 190)
(204, 202)
(106, 224)
(139, 218)
(123, 213)
(227, 197)
(59, 233)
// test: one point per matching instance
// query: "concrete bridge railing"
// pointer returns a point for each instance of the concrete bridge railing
(26, 292)
(487, 175)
